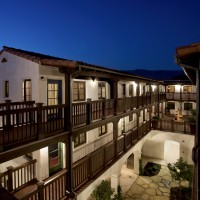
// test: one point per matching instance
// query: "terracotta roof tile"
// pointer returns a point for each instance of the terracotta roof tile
(40, 58)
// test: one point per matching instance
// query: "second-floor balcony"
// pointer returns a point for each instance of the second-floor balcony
(23, 122)
(181, 96)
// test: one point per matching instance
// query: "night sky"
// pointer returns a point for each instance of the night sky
(118, 34)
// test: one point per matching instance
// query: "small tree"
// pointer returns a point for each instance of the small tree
(104, 192)
(181, 171)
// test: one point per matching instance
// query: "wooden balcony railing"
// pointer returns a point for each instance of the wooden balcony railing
(8, 105)
(17, 177)
(52, 189)
(181, 96)
(174, 126)
(31, 123)
(98, 161)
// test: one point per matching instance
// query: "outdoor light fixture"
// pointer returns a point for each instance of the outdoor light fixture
(42, 78)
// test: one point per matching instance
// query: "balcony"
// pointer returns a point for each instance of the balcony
(25, 122)
(181, 96)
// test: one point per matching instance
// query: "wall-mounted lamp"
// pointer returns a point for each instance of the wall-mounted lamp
(42, 78)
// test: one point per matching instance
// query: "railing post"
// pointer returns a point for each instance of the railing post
(184, 126)
(39, 120)
(89, 111)
(124, 135)
(124, 104)
(8, 121)
(115, 106)
(172, 125)
(10, 179)
(40, 186)
(103, 108)
(132, 103)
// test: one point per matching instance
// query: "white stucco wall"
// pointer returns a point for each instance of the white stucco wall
(158, 136)
(154, 146)
(42, 164)
(15, 70)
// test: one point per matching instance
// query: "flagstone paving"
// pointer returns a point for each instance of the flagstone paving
(152, 188)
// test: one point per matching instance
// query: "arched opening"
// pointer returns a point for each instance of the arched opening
(130, 162)
(127, 174)
(171, 151)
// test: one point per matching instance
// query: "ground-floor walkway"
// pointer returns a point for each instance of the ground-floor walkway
(147, 188)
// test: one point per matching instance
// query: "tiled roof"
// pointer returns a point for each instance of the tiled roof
(60, 62)
(40, 58)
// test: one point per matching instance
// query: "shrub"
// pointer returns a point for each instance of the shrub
(104, 192)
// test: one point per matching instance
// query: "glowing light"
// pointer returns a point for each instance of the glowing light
(153, 87)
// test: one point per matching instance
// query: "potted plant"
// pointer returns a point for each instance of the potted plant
(192, 121)
(154, 121)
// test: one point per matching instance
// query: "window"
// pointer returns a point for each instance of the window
(187, 89)
(78, 91)
(171, 88)
(171, 105)
(102, 130)
(188, 106)
(27, 90)
(79, 139)
(123, 89)
(101, 90)
(52, 94)
(55, 158)
(130, 90)
(6, 89)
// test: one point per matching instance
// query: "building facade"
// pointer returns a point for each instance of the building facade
(64, 123)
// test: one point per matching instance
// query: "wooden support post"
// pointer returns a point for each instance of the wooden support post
(8, 115)
(39, 121)
(10, 178)
(89, 111)
(40, 186)
(103, 108)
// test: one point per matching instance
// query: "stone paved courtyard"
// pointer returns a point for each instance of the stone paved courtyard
(152, 188)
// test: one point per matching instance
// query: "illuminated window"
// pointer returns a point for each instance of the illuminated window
(27, 90)
(6, 89)
(187, 89)
(79, 139)
(102, 130)
(78, 91)
(171, 88)
(101, 90)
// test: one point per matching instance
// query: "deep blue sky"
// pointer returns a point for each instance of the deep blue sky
(119, 34)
